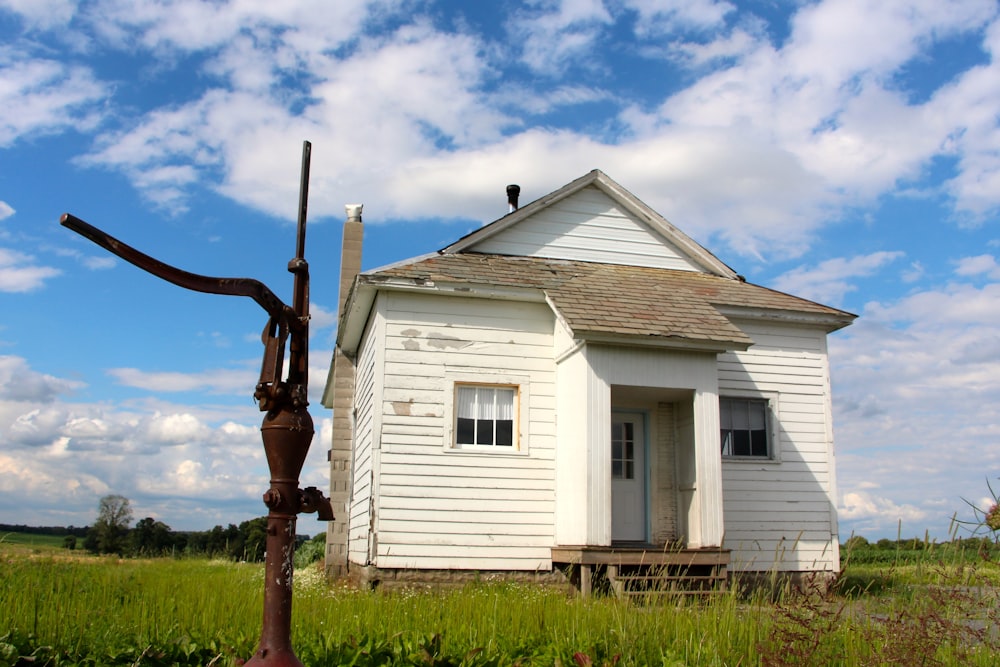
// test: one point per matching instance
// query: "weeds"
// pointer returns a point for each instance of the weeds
(99, 611)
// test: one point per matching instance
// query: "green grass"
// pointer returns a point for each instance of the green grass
(32, 540)
(62, 608)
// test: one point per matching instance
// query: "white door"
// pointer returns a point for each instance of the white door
(628, 478)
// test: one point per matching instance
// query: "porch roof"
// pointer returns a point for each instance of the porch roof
(618, 301)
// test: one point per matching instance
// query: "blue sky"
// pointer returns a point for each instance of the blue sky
(843, 150)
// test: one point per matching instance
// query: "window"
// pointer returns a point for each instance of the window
(744, 427)
(485, 415)
(622, 450)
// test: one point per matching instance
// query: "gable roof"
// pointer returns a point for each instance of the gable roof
(657, 226)
(599, 301)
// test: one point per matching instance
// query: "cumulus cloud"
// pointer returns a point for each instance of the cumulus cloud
(19, 273)
(830, 280)
(18, 382)
(39, 96)
(864, 505)
(980, 265)
(6, 210)
(221, 381)
(760, 154)
(916, 388)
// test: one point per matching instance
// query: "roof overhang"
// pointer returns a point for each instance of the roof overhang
(663, 342)
(829, 322)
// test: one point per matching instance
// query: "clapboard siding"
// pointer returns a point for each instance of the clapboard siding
(367, 381)
(781, 514)
(588, 226)
(428, 488)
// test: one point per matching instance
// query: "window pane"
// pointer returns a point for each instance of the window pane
(505, 432)
(616, 469)
(741, 414)
(725, 414)
(758, 443)
(466, 399)
(505, 404)
(741, 443)
(465, 434)
(484, 432)
(629, 470)
(486, 403)
(727, 443)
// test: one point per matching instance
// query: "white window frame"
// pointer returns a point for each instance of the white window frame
(495, 380)
(770, 401)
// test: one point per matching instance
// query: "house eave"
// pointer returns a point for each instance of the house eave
(830, 322)
(663, 342)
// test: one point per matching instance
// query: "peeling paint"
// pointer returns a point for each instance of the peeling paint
(410, 333)
(442, 341)
(411, 345)
(402, 407)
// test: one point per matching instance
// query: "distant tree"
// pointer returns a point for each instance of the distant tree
(856, 542)
(114, 514)
(150, 538)
(69, 542)
(251, 542)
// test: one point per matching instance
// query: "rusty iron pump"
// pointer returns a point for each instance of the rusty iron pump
(287, 429)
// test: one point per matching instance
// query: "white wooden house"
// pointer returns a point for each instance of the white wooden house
(578, 382)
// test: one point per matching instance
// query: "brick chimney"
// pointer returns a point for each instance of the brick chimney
(343, 404)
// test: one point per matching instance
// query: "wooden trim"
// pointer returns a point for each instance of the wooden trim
(644, 555)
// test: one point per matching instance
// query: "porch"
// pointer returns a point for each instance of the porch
(643, 569)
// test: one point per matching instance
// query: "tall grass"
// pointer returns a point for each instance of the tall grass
(60, 610)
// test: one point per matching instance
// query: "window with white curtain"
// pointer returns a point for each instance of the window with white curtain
(744, 427)
(484, 415)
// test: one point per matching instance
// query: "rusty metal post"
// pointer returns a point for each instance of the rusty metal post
(287, 429)
(287, 433)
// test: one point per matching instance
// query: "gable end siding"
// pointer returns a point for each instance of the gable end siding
(781, 514)
(587, 226)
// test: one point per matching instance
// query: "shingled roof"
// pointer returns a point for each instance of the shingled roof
(660, 306)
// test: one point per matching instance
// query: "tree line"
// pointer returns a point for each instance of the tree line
(113, 533)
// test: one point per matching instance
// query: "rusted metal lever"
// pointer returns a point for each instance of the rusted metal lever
(254, 289)
(284, 319)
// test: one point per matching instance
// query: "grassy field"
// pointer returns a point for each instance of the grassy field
(30, 540)
(63, 608)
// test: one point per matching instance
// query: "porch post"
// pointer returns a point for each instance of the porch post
(708, 466)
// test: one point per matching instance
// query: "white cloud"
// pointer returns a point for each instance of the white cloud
(18, 382)
(863, 505)
(916, 394)
(18, 273)
(985, 265)
(220, 380)
(553, 33)
(670, 15)
(830, 280)
(6, 210)
(39, 96)
(42, 13)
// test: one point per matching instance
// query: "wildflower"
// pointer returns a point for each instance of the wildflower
(993, 517)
